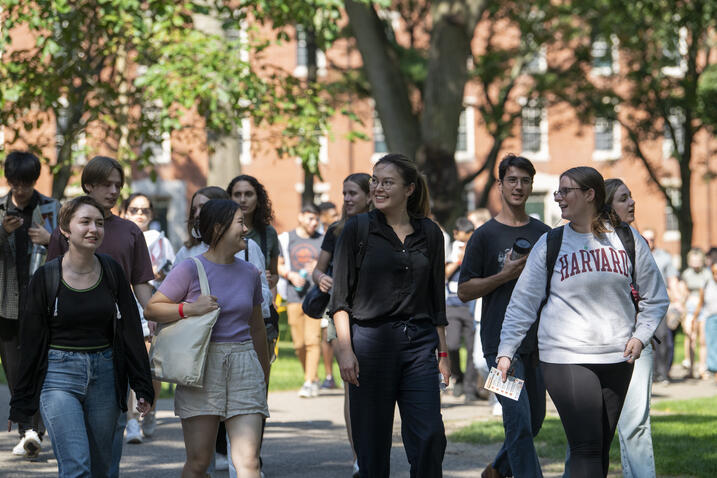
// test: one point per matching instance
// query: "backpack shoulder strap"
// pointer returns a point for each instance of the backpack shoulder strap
(628, 242)
(553, 242)
(52, 273)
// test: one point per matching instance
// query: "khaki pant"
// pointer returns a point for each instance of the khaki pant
(306, 336)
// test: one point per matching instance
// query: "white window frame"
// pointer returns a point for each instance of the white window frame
(377, 127)
(679, 71)
(544, 184)
(538, 63)
(245, 142)
(614, 66)
(543, 153)
(322, 190)
(673, 185)
(608, 154)
(675, 118)
(162, 151)
(301, 71)
(469, 154)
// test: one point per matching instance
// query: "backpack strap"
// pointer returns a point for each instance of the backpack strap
(262, 238)
(624, 232)
(553, 242)
(51, 271)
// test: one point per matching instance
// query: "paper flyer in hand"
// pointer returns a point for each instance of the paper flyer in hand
(511, 388)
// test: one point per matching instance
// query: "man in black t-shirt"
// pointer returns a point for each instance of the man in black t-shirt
(488, 271)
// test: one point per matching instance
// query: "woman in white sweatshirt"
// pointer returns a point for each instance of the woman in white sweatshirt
(588, 338)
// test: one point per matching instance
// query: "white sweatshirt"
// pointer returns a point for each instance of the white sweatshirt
(589, 316)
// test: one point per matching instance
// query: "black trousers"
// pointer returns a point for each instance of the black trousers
(397, 364)
(461, 325)
(10, 356)
(589, 399)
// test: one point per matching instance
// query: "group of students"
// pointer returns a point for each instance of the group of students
(575, 316)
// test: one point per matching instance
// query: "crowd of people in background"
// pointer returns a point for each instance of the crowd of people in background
(588, 312)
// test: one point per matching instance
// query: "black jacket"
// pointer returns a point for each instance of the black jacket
(129, 353)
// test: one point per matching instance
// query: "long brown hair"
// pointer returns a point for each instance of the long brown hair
(589, 178)
(419, 203)
(611, 187)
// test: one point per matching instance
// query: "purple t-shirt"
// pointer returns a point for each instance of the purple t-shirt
(236, 286)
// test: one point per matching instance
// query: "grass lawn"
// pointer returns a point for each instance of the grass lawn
(684, 436)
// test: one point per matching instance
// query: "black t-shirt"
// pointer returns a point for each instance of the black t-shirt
(84, 317)
(329, 242)
(484, 257)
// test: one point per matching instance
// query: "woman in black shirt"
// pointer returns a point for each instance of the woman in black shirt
(81, 340)
(388, 303)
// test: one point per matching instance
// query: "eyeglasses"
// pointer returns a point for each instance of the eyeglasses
(562, 192)
(513, 181)
(139, 210)
(386, 184)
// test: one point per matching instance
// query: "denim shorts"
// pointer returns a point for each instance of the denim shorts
(233, 384)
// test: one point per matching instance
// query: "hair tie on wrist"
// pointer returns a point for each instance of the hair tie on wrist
(443, 354)
(181, 310)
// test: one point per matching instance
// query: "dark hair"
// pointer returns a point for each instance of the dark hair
(463, 224)
(363, 181)
(126, 203)
(70, 208)
(310, 208)
(611, 187)
(263, 214)
(22, 167)
(214, 219)
(419, 203)
(326, 206)
(589, 178)
(210, 192)
(98, 169)
(519, 162)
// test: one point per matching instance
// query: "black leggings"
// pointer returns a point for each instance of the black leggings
(589, 399)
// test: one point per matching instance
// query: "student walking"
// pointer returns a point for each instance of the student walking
(237, 363)
(27, 219)
(357, 200)
(81, 343)
(588, 337)
(489, 271)
(388, 303)
(102, 179)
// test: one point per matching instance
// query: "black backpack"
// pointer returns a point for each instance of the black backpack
(555, 240)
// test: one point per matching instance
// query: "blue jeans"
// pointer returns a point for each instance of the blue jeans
(634, 425)
(522, 420)
(79, 405)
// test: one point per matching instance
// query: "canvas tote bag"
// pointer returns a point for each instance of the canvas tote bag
(179, 349)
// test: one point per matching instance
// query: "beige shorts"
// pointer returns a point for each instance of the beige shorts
(233, 385)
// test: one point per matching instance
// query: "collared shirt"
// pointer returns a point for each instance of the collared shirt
(395, 281)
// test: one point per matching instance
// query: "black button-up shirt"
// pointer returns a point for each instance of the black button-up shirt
(395, 281)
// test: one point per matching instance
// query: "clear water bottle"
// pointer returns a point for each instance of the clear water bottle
(441, 384)
(303, 288)
(39, 254)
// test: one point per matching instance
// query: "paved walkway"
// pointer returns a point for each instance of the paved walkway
(305, 437)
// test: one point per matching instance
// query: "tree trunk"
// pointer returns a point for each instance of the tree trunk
(307, 196)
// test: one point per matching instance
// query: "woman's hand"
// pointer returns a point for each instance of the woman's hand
(348, 364)
(143, 407)
(633, 349)
(204, 304)
(503, 365)
(9, 425)
(444, 366)
(326, 283)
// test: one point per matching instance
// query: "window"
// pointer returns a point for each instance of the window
(379, 140)
(603, 52)
(244, 141)
(534, 130)
(302, 55)
(674, 123)
(607, 139)
(78, 149)
(537, 63)
(671, 224)
(159, 143)
(465, 143)
(535, 206)
(674, 51)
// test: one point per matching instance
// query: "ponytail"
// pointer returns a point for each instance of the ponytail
(606, 215)
(419, 203)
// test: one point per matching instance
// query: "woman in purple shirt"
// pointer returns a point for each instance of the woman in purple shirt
(237, 365)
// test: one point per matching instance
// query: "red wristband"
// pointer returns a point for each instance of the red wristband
(443, 354)
(181, 310)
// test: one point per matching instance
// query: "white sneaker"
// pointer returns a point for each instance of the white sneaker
(32, 444)
(315, 389)
(221, 462)
(19, 449)
(356, 469)
(149, 424)
(305, 391)
(133, 434)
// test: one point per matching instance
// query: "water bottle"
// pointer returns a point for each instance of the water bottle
(305, 275)
(441, 384)
(521, 247)
(39, 254)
